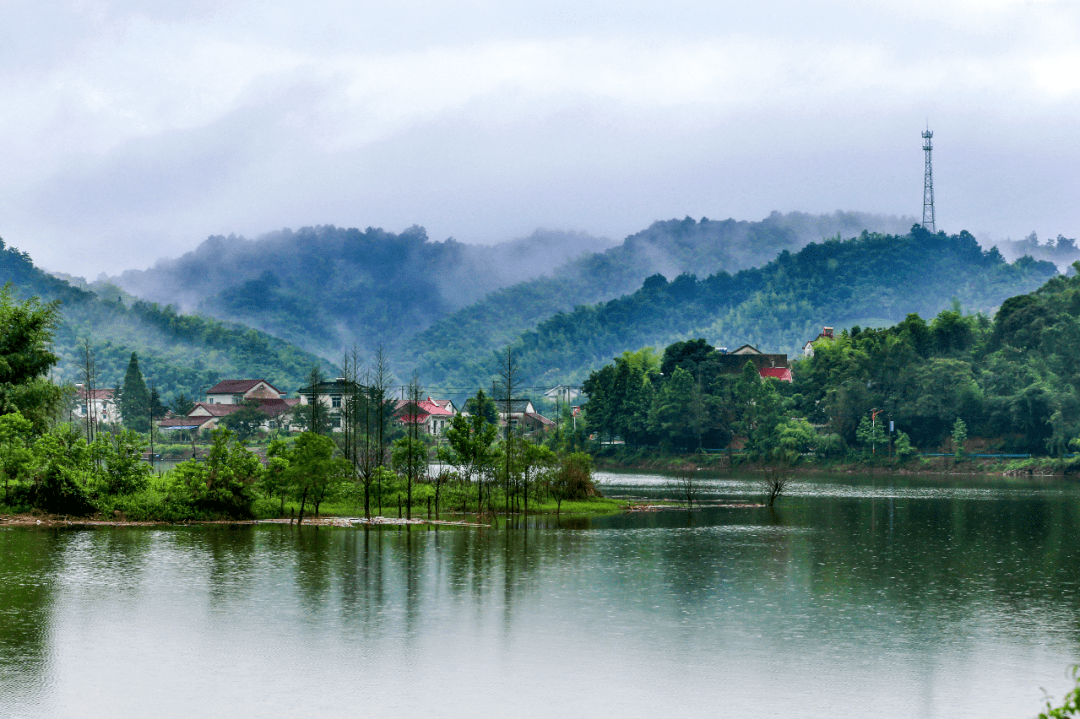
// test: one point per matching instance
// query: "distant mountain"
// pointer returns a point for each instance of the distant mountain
(1062, 251)
(327, 288)
(179, 353)
(670, 248)
(874, 279)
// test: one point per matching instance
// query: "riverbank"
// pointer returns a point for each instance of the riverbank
(948, 465)
(337, 514)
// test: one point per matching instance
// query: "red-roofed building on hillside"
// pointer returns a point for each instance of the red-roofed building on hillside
(433, 415)
(781, 373)
(100, 404)
(767, 365)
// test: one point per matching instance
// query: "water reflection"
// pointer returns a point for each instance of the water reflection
(948, 600)
(27, 580)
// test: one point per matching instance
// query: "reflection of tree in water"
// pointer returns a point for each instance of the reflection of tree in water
(942, 558)
(469, 564)
(31, 560)
(314, 550)
(230, 551)
(412, 565)
(363, 579)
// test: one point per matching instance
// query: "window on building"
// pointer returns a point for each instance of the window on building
(335, 402)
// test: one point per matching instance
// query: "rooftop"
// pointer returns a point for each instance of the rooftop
(238, 386)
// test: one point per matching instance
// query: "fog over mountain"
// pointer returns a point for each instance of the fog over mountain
(327, 288)
(453, 273)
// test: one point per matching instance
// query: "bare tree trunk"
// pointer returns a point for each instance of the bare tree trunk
(89, 369)
(509, 383)
(303, 500)
(381, 385)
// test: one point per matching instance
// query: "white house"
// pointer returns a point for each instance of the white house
(100, 404)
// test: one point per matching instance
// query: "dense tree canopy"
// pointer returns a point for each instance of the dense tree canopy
(26, 357)
(1009, 384)
(872, 279)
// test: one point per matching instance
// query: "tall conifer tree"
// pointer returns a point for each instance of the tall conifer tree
(135, 398)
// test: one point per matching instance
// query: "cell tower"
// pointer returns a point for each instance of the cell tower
(928, 183)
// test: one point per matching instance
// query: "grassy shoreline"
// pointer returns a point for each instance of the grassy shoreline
(22, 516)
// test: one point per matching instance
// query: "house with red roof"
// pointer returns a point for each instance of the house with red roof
(767, 365)
(781, 373)
(433, 415)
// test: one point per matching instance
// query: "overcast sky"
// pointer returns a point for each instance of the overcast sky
(133, 130)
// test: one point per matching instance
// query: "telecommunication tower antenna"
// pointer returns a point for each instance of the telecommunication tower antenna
(928, 183)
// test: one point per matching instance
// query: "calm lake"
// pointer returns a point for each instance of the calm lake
(858, 596)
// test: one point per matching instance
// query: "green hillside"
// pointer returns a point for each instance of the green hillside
(326, 288)
(179, 353)
(777, 307)
(1014, 382)
(668, 247)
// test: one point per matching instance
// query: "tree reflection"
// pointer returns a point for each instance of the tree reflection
(31, 560)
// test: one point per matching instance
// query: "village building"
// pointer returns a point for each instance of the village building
(99, 404)
(767, 365)
(522, 415)
(433, 415)
(808, 348)
(331, 394)
(235, 391)
(564, 394)
(229, 396)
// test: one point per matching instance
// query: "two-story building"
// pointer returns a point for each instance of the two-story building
(332, 395)
(99, 404)
(522, 415)
(235, 391)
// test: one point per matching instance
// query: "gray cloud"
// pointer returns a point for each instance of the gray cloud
(134, 130)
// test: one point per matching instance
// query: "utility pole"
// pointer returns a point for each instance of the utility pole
(150, 411)
(928, 183)
(873, 429)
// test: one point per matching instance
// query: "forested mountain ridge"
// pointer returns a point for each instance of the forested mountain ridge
(668, 247)
(948, 384)
(871, 279)
(179, 353)
(327, 288)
